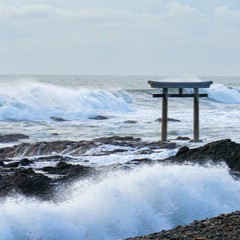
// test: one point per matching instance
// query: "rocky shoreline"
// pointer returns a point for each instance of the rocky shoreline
(34, 169)
(42, 169)
(222, 227)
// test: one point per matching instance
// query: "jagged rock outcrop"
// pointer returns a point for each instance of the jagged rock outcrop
(27, 182)
(79, 148)
(220, 151)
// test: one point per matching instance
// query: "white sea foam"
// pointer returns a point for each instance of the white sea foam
(223, 94)
(124, 204)
(27, 100)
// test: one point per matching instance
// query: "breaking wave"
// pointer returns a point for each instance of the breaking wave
(218, 92)
(123, 205)
(39, 101)
(223, 94)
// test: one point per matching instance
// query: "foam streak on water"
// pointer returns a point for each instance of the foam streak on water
(124, 204)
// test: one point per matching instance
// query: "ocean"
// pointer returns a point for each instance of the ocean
(121, 204)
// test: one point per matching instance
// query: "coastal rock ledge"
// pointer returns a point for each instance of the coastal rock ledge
(215, 152)
(223, 227)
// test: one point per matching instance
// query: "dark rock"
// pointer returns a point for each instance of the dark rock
(58, 119)
(25, 162)
(222, 227)
(54, 134)
(98, 117)
(160, 145)
(216, 152)
(169, 120)
(182, 151)
(12, 137)
(79, 148)
(130, 122)
(54, 158)
(183, 138)
(127, 141)
(141, 161)
(27, 182)
(110, 152)
(144, 152)
(12, 165)
(70, 171)
(46, 148)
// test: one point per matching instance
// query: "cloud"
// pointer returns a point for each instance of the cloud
(153, 37)
(229, 18)
(26, 12)
(176, 9)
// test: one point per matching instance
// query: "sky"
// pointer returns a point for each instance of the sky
(126, 37)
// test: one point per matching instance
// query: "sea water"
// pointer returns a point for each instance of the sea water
(120, 204)
(27, 104)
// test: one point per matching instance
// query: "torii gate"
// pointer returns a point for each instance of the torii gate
(165, 85)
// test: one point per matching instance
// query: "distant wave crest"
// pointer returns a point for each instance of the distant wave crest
(34, 101)
(223, 94)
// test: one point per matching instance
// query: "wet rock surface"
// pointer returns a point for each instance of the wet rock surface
(70, 171)
(225, 151)
(98, 117)
(180, 138)
(50, 167)
(79, 148)
(56, 164)
(12, 137)
(130, 122)
(40, 167)
(169, 120)
(58, 119)
(40, 182)
(26, 182)
(223, 227)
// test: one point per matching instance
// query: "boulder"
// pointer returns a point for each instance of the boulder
(70, 171)
(130, 122)
(58, 119)
(180, 138)
(12, 137)
(27, 182)
(98, 117)
(169, 120)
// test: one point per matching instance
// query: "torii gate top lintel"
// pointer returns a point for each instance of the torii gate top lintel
(165, 85)
(180, 84)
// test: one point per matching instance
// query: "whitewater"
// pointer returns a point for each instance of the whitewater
(120, 204)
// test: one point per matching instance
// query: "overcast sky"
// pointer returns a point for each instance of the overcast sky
(156, 37)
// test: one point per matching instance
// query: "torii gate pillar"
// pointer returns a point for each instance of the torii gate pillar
(165, 85)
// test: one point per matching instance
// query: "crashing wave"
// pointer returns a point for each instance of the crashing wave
(223, 94)
(39, 101)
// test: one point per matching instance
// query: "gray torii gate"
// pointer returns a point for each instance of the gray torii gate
(166, 85)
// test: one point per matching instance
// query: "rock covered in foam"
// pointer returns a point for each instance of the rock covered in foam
(37, 182)
(25, 177)
(81, 147)
(70, 171)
